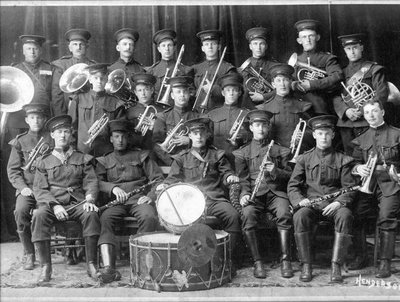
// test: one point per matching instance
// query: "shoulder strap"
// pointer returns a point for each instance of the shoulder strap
(359, 75)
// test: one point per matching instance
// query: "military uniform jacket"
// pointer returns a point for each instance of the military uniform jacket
(21, 147)
(85, 109)
(127, 170)
(319, 172)
(60, 100)
(130, 67)
(58, 180)
(287, 112)
(375, 78)
(208, 175)
(385, 142)
(247, 163)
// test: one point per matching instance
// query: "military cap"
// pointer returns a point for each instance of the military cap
(128, 33)
(211, 34)
(32, 39)
(230, 79)
(259, 116)
(180, 81)
(37, 108)
(306, 24)
(322, 121)
(282, 69)
(164, 34)
(77, 34)
(197, 123)
(99, 67)
(352, 39)
(144, 78)
(122, 125)
(59, 121)
(256, 33)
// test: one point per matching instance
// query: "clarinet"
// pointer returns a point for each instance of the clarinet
(328, 196)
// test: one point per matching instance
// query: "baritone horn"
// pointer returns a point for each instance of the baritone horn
(74, 78)
(168, 145)
(40, 149)
(307, 72)
(119, 85)
(255, 83)
(367, 186)
(358, 93)
(149, 114)
(297, 139)
(237, 125)
(97, 128)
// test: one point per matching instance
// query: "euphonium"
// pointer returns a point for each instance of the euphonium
(255, 83)
(358, 93)
(307, 72)
(96, 128)
(297, 139)
(118, 84)
(74, 78)
(234, 132)
(168, 144)
(366, 186)
(40, 149)
(143, 126)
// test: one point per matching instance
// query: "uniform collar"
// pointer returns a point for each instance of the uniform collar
(62, 155)
(181, 110)
(212, 62)
(202, 151)
(34, 65)
(120, 153)
(324, 152)
(261, 142)
(380, 127)
(98, 93)
(130, 62)
(230, 107)
(356, 63)
(35, 134)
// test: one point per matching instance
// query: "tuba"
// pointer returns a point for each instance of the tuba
(142, 126)
(97, 128)
(297, 139)
(74, 78)
(255, 83)
(118, 84)
(40, 149)
(168, 145)
(234, 132)
(358, 93)
(367, 186)
(307, 71)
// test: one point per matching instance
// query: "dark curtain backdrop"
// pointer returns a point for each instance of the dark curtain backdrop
(381, 22)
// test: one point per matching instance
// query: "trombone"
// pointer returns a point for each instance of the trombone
(40, 149)
(307, 72)
(255, 83)
(297, 139)
(237, 125)
(143, 125)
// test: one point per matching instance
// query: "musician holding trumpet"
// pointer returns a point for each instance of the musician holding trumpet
(26, 148)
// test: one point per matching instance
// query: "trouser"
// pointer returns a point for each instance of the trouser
(23, 209)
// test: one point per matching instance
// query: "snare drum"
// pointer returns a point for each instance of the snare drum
(155, 264)
(179, 206)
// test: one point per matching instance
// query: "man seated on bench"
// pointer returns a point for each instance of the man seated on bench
(119, 173)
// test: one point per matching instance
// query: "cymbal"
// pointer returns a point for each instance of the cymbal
(197, 245)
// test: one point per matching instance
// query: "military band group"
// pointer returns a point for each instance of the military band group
(266, 127)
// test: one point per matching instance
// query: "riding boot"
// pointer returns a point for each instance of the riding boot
(286, 265)
(387, 239)
(303, 243)
(340, 247)
(251, 239)
(29, 249)
(360, 248)
(109, 273)
(43, 250)
(236, 250)
(91, 255)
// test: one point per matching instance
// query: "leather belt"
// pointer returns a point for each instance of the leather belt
(68, 189)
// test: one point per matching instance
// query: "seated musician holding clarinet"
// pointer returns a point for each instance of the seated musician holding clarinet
(321, 187)
(124, 174)
(263, 170)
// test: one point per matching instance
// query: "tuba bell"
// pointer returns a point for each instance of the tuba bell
(74, 78)
(307, 71)
(255, 83)
(119, 85)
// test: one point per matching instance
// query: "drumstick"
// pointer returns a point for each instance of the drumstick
(173, 205)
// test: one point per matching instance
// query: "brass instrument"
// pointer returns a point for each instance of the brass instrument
(255, 83)
(358, 93)
(237, 125)
(297, 139)
(164, 99)
(307, 72)
(74, 78)
(198, 92)
(119, 85)
(168, 144)
(261, 173)
(366, 185)
(40, 149)
(394, 94)
(142, 126)
(97, 128)
(163, 83)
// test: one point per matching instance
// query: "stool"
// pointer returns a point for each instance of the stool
(66, 235)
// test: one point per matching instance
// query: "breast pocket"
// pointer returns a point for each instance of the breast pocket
(312, 172)
(332, 174)
(135, 170)
(85, 112)
(391, 152)
(192, 171)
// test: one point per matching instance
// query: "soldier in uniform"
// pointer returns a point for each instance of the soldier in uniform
(87, 108)
(22, 179)
(224, 117)
(63, 178)
(271, 194)
(168, 120)
(351, 122)
(317, 173)
(210, 45)
(261, 62)
(78, 44)
(126, 39)
(208, 169)
(383, 141)
(318, 91)
(120, 172)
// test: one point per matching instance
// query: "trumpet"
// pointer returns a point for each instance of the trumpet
(168, 145)
(143, 126)
(234, 132)
(97, 128)
(366, 184)
(358, 93)
(119, 85)
(307, 72)
(40, 149)
(297, 139)
(255, 83)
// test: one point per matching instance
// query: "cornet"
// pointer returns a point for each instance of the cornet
(97, 128)
(297, 139)
(143, 125)
(307, 72)
(255, 83)
(40, 149)
(234, 132)
(366, 186)
(168, 145)
(118, 84)
(358, 93)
